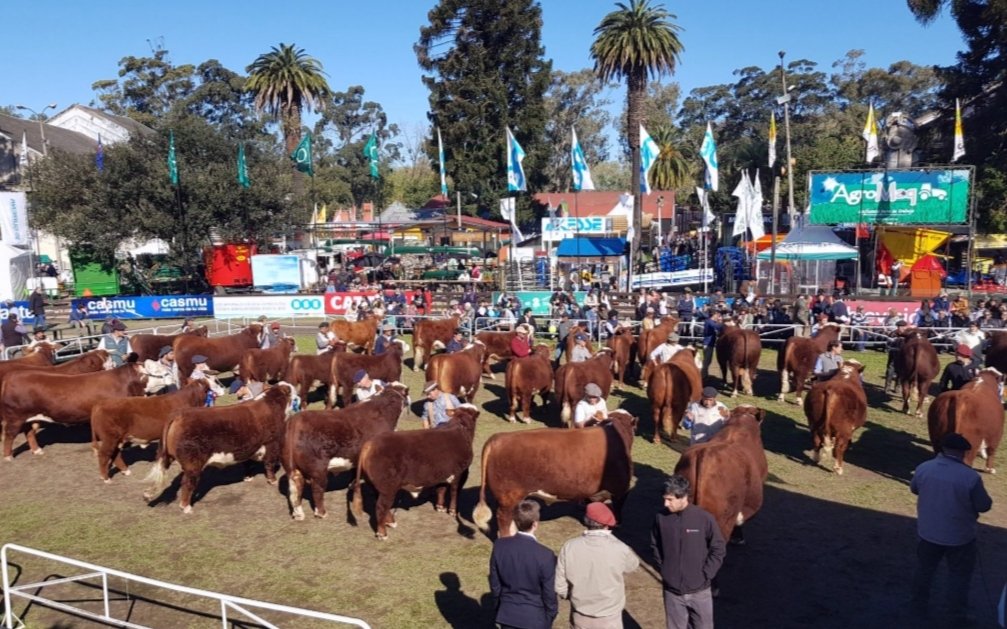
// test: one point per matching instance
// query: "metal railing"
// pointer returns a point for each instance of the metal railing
(228, 604)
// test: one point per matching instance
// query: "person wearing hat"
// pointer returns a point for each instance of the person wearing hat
(667, 350)
(364, 387)
(38, 336)
(435, 409)
(593, 408)
(580, 352)
(520, 345)
(270, 335)
(528, 319)
(116, 343)
(802, 316)
(688, 551)
(951, 495)
(457, 342)
(974, 338)
(561, 333)
(162, 377)
(12, 332)
(201, 371)
(385, 340)
(959, 372)
(325, 339)
(894, 347)
(648, 322)
(821, 320)
(590, 571)
(713, 327)
(523, 574)
(829, 363)
(705, 417)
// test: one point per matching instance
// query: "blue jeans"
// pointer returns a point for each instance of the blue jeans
(40, 321)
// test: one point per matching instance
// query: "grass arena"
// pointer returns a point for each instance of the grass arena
(824, 551)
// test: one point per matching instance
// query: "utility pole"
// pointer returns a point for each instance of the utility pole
(785, 101)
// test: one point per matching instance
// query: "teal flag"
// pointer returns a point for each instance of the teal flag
(371, 153)
(172, 162)
(243, 179)
(302, 156)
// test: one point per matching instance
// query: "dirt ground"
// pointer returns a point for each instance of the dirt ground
(825, 551)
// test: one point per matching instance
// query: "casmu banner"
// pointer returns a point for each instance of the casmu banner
(160, 307)
(14, 218)
(269, 305)
(893, 197)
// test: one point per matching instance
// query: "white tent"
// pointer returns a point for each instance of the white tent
(801, 254)
(15, 269)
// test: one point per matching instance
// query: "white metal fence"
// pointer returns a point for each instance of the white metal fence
(230, 606)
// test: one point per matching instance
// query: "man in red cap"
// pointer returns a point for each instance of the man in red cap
(590, 572)
(960, 372)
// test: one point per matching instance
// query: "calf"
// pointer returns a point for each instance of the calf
(223, 353)
(623, 345)
(319, 442)
(497, 346)
(138, 420)
(526, 377)
(148, 346)
(727, 472)
(975, 412)
(387, 367)
(835, 408)
(916, 366)
(220, 436)
(571, 378)
(670, 389)
(427, 334)
(415, 459)
(55, 397)
(357, 333)
(589, 464)
(305, 370)
(459, 373)
(259, 365)
(739, 350)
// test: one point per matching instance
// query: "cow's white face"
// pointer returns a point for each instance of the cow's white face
(108, 364)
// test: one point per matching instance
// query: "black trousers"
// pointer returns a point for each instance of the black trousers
(961, 562)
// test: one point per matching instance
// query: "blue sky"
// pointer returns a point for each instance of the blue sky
(370, 43)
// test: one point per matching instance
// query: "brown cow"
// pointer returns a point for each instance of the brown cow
(357, 333)
(223, 353)
(497, 346)
(39, 355)
(798, 357)
(650, 339)
(147, 346)
(387, 367)
(571, 378)
(916, 366)
(260, 364)
(671, 387)
(739, 350)
(428, 332)
(590, 464)
(459, 373)
(138, 420)
(320, 442)
(835, 408)
(622, 344)
(995, 354)
(220, 436)
(975, 412)
(305, 370)
(56, 397)
(727, 472)
(415, 459)
(526, 377)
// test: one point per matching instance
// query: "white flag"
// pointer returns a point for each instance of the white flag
(23, 161)
(508, 210)
(959, 134)
(440, 158)
(871, 135)
(755, 209)
(648, 156)
(744, 193)
(704, 202)
(708, 151)
(581, 173)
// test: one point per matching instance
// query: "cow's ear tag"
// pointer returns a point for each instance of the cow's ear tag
(296, 406)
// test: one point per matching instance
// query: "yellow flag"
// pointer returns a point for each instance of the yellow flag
(772, 138)
(959, 135)
(871, 135)
(323, 213)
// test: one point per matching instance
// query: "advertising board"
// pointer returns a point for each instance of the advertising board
(538, 301)
(671, 278)
(556, 229)
(152, 307)
(276, 273)
(891, 197)
(339, 303)
(20, 308)
(270, 305)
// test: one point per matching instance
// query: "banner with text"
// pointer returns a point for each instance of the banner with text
(156, 307)
(339, 303)
(556, 229)
(892, 197)
(19, 308)
(14, 218)
(269, 305)
(672, 278)
(537, 300)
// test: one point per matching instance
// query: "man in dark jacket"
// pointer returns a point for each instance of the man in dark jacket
(12, 331)
(36, 305)
(712, 329)
(523, 574)
(688, 549)
(960, 372)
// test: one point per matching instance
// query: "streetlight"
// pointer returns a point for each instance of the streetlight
(41, 125)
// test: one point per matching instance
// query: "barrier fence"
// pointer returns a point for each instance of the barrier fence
(230, 606)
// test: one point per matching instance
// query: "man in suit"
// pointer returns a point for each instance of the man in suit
(523, 575)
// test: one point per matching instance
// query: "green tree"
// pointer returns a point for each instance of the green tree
(672, 170)
(574, 100)
(284, 81)
(611, 176)
(485, 69)
(635, 43)
(147, 87)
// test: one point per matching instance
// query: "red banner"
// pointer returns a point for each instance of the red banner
(339, 303)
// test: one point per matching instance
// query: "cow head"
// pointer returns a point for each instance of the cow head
(851, 367)
(542, 350)
(200, 331)
(402, 390)
(623, 418)
(291, 341)
(465, 416)
(404, 347)
(47, 349)
(746, 410)
(254, 330)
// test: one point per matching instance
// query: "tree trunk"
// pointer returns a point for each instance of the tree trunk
(637, 86)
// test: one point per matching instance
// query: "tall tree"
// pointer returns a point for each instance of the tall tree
(635, 43)
(284, 81)
(147, 87)
(485, 69)
(574, 99)
(672, 170)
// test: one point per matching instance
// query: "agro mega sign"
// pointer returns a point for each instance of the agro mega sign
(892, 197)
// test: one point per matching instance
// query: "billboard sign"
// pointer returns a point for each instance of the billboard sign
(276, 273)
(14, 218)
(556, 229)
(890, 197)
(156, 307)
(539, 301)
(269, 305)
(339, 303)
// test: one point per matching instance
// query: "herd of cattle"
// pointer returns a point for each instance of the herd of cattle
(592, 463)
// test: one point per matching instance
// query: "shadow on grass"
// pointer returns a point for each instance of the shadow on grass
(460, 610)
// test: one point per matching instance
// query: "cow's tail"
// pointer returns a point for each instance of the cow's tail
(417, 352)
(357, 504)
(482, 515)
(782, 360)
(158, 471)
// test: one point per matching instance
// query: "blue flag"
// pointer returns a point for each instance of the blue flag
(515, 173)
(99, 157)
(440, 157)
(581, 173)
(708, 151)
(648, 155)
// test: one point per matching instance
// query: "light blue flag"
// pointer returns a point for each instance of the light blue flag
(515, 173)
(648, 155)
(581, 173)
(440, 156)
(708, 151)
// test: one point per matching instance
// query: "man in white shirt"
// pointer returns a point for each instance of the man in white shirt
(364, 387)
(667, 350)
(325, 339)
(972, 337)
(580, 351)
(161, 374)
(705, 417)
(592, 408)
(202, 371)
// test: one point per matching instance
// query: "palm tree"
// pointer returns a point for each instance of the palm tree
(284, 81)
(672, 170)
(636, 42)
